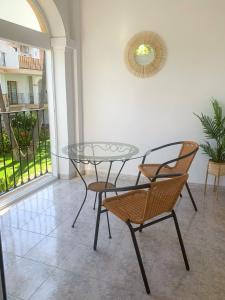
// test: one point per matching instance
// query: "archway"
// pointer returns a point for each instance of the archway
(60, 72)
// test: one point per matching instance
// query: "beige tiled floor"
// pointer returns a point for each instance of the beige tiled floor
(46, 259)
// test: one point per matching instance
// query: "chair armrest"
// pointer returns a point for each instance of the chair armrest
(140, 186)
(126, 188)
(163, 146)
(168, 175)
(167, 162)
(175, 160)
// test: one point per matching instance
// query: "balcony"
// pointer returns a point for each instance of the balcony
(24, 147)
(25, 101)
(30, 63)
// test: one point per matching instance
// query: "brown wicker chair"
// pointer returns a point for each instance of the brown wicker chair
(140, 205)
(182, 163)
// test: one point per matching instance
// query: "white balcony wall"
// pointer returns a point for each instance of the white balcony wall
(11, 56)
(22, 86)
(149, 112)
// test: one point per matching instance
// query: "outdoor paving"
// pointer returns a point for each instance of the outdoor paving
(46, 259)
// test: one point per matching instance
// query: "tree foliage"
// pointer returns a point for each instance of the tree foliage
(23, 126)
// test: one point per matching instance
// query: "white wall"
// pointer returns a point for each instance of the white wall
(11, 56)
(22, 84)
(148, 112)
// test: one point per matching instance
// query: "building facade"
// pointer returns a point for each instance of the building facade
(21, 70)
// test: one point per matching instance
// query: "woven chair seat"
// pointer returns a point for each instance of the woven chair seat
(149, 170)
(99, 186)
(129, 206)
(141, 205)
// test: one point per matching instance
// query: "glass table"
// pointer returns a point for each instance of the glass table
(95, 153)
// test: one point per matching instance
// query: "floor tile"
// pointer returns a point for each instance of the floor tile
(66, 285)
(42, 224)
(9, 259)
(25, 277)
(48, 259)
(9, 297)
(16, 218)
(18, 241)
(35, 204)
(51, 251)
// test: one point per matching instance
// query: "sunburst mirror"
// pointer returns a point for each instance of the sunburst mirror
(145, 54)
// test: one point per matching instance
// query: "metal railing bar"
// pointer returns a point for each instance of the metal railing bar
(45, 143)
(11, 147)
(26, 147)
(33, 149)
(39, 142)
(19, 151)
(3, 150)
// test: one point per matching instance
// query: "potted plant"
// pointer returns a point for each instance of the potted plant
(214, 130)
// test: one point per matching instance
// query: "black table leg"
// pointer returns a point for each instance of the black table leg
(86, 190)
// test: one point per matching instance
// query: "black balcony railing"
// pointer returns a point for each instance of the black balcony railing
(24, 147)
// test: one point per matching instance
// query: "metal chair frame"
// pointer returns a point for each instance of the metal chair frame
(138, 228)
(167, 163)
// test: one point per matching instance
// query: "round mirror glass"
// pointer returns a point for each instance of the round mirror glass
(144, 54)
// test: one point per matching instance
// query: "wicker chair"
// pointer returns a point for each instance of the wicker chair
(142, 203)
(182, 164)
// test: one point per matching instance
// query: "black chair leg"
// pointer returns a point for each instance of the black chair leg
(181, 241)
(141, 227)
(97, 225)
(192, 199)
(107, 215)
(95, 200)
(139, 258)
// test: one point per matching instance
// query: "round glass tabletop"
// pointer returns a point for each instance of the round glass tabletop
(100, 152)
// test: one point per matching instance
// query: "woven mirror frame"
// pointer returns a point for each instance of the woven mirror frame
(156, 43)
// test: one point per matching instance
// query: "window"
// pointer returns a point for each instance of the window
(35, 53)
(12, 92)
(25, 50)
(2, 59)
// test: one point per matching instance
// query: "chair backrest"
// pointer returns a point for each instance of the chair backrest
(163, 195)
(183, 165)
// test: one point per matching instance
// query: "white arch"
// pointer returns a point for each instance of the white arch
(67, 75)
(48, 13)
(15, 10)
(63, 73)
(51, 22)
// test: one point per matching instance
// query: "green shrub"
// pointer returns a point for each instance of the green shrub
(3, 187)
(44, 134)
(4, 143)
(23, 125)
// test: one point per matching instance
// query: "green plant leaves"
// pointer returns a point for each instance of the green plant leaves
(214, 129)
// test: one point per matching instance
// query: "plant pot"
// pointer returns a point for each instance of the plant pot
(216, 168)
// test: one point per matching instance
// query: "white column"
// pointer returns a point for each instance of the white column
(62, 104)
